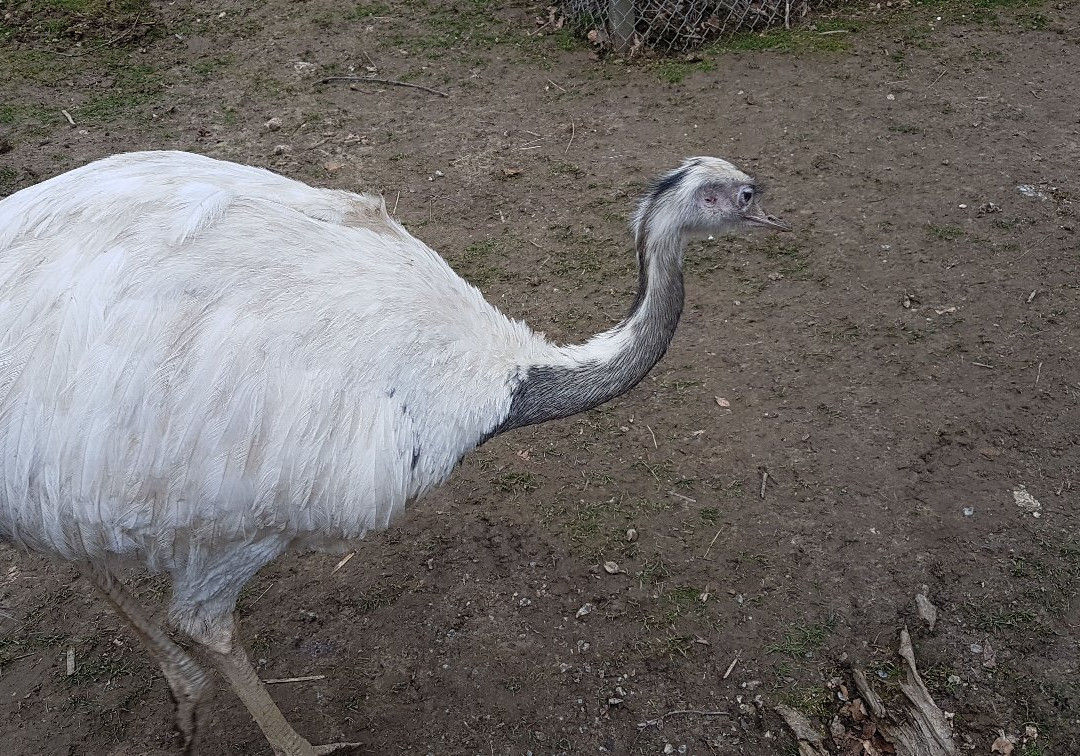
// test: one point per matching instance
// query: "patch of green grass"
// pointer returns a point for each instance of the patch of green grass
(793, 260)
(802, 640)
(812, 701)
(515, 482)
(1033, 21)
(211, 66)
(9, 177)
(84, 20)
(479, 262)
(1033, 748)
(136, 86)
(663, 471)
(996, 622)
(28, 115)
(654, 571)
(677, 646)
(464, 24)
(383, 596)
(102, 667)
(676, 71)
(826, 36)
(945, 233)
(682, 601)
(362, 11)
(567, 40)
(596, 529)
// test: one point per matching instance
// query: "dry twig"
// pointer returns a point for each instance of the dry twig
(659, 721)
(388, 82)
(731, 666)
(305, 678)
(713, 541)
(102, 46)
(344, 561)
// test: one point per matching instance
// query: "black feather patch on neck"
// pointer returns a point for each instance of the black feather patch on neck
(666, 183)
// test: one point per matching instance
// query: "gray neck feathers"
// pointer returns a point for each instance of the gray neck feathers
(550, 392)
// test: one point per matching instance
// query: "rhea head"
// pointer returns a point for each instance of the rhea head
(704, 196)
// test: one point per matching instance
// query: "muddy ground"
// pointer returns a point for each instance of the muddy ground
(900, 366)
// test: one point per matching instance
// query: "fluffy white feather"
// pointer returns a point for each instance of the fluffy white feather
(203, 364)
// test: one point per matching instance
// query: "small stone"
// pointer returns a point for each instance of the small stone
(281, 149)
(584, 610)
(631, 535)
(612, 568)
(274, 124)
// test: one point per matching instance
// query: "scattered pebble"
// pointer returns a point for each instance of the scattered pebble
(1027, 502)
(1030, 191)
(274, 124)
(969, 511)
(584, 610)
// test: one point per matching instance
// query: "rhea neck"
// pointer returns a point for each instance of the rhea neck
(583, 376)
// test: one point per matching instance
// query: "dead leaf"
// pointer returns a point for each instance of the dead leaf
(1003, 745)
(855, 710)
(989, 656)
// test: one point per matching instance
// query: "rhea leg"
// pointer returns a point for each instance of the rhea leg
(187, 680)
(222, 646)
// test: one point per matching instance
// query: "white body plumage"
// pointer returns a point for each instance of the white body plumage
(232, 364)
(204, 364)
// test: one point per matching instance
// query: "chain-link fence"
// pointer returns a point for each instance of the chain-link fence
(667, 26)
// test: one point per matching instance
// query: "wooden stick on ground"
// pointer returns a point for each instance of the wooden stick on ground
(389, 82)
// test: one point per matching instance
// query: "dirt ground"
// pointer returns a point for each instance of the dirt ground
(901, 366)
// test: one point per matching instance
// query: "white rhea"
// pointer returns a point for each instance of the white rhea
(204, 364)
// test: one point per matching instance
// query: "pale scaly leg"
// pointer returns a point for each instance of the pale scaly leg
(187, 680)
(223, 648)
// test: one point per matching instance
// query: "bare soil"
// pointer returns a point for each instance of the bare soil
(899, 366)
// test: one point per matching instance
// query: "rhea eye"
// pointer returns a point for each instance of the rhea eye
(746, 195)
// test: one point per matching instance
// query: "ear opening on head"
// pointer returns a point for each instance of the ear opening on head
(709, 196)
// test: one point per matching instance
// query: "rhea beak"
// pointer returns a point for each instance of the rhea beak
(758, 217)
